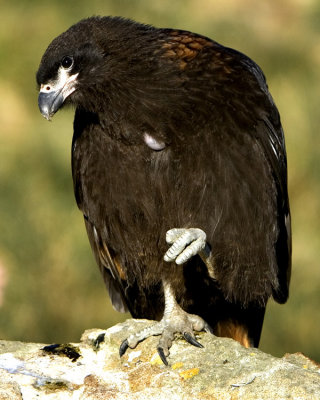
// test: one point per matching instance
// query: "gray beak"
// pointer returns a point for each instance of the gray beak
(49, 103)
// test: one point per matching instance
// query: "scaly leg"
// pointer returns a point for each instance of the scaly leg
(185, 243)
(174, 320)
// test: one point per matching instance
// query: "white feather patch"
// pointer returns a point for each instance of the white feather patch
(153, 143)
(65, 83)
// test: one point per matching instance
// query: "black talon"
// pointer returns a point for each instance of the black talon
(190, 339)
(208, 328)
(123, 347)
(99, 340)
(162, 356)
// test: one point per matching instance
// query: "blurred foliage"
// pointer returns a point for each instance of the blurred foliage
(54, 290)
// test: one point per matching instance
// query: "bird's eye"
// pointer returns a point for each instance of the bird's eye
(67, 62)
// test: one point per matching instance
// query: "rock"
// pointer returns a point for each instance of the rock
(92, 370)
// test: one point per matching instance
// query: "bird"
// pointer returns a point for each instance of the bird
(179, 167)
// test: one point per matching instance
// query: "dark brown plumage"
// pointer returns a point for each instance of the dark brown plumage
(173, 130)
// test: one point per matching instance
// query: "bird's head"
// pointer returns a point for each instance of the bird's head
(88, 57)
(68, 66)
(58, 87)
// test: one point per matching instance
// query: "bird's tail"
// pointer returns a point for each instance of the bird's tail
(242, 325)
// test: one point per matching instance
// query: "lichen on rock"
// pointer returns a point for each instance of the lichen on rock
(92, 369)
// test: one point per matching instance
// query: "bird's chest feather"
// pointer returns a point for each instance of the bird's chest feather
(124, 188)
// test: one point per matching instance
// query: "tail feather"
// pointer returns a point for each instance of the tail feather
(245, 326)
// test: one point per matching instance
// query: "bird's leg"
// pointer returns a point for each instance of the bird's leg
(187, 242)
(174, 320)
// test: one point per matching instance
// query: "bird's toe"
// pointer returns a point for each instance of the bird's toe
(192, 340)
(185, 243)
(123, 347)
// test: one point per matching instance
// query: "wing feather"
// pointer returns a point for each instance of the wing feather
(109, 268)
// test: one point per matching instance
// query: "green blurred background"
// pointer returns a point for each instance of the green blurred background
(50, 287)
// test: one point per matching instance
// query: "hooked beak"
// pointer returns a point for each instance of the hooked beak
(49, 103)
(53, 94)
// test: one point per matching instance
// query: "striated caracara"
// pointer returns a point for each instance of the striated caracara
(179, 168)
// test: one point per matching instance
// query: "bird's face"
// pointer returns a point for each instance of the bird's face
(58, 88)
(61, 72)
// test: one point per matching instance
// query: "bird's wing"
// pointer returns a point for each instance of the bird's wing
(271, 137)
(273, 144)
(110, 267)
(240, 93)
(269, 131)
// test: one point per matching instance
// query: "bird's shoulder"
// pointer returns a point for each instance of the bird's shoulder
(192, 51)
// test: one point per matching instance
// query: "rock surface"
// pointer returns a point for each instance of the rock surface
(93, 370)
